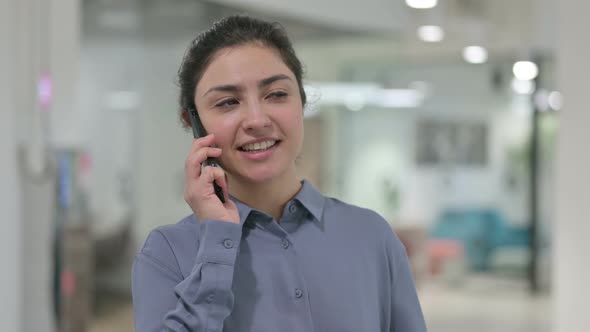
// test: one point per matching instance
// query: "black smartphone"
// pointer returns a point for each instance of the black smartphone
(199, 131)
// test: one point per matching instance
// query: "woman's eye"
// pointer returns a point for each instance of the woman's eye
(227, 103)
(277, 95)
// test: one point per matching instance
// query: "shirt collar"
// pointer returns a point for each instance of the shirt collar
(243, 209)
(311, 199)
(308, 196)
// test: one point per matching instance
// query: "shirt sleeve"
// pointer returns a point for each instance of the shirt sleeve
(165, 301)
(406, 313)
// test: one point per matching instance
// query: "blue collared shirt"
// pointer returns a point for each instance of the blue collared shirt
(327, 266)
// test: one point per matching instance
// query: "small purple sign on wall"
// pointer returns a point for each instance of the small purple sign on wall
(45, 91)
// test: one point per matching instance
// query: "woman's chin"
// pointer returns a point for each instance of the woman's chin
(259, 176)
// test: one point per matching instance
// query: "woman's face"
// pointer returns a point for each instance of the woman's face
(249, 99)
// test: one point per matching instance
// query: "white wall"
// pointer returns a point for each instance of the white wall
(129, 102)
(63, 57)
(36, 37)
(572, 228)
(143, 139)
(110, 100)
(163, 144)
(381, 144)
(10, 204)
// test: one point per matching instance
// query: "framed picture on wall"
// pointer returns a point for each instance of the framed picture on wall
(451, 142)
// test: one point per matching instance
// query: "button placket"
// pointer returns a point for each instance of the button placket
(285, 243)
(228, 244)
(298, 293)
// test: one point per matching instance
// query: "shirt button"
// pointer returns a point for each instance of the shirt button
(298, 293)
(227, 243)
(285, 243)
(292, 208)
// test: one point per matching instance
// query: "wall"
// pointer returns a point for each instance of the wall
(380, 144)
(10, 200)
(572, 186)
(110, 89)
(163, 144)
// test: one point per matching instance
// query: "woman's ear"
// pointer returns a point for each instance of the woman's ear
(185, 118)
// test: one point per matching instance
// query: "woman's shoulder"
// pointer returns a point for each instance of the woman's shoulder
(364, 225)
(346, 214)
(173, 243)
(184, 230)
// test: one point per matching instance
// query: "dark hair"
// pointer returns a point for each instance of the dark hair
(228, 32)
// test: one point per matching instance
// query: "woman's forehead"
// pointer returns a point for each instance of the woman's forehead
(243, 65)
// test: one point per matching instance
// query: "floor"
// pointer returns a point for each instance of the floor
(485, 304)
(114, 314)
(479, 303)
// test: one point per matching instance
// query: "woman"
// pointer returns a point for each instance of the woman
(277, 255)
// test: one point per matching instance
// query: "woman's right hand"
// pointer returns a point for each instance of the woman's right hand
(198, 187)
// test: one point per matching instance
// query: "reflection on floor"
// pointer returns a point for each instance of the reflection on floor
(113, 314)
(485, 304)
(480, 303)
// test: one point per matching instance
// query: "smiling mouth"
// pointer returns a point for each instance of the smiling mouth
(259, 146)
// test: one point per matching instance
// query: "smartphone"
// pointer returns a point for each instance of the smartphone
(199, 131)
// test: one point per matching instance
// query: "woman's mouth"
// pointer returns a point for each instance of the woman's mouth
(259, 151)
(258, 146)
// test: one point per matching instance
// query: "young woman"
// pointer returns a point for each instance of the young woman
(277, 255)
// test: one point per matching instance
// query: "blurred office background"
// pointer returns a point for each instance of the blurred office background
(462, 123)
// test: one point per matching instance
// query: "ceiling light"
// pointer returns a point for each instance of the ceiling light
(523, 87)
(355, 101)
(422, 4)
(475, 54)
(525, 70)
(431, 33)
(356, 96)
(555, 100)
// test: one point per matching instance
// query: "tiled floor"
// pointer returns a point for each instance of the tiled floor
(113, 315)
(485, 304)
(480, 303)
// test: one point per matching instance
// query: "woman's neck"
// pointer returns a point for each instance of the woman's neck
(269, 197)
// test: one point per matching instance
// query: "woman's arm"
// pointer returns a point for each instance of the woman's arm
(406, 315)
(165, 301)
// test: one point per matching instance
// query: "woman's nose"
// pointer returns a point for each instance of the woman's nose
(255, 117)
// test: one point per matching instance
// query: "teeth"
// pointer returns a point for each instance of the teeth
(258, 146)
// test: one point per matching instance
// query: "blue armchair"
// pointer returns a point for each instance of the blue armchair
(481, 231)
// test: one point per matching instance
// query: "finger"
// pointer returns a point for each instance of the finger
(222, 182)
(203, 185)
(212, 174)
(202, 142)
(207, 152)
(192, 166)
(226, 189)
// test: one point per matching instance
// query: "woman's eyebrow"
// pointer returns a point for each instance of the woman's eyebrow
(235, 88)
(224, 88)
(270, 80)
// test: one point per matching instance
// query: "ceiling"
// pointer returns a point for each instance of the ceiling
(521, 24)
(350, 33)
